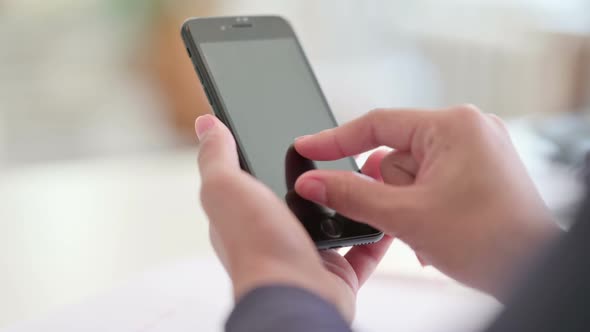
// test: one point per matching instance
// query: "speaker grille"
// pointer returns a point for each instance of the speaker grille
(242, 25)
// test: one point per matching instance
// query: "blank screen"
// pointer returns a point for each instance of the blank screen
(271, 97)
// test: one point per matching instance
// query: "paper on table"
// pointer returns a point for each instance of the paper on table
(194, 295)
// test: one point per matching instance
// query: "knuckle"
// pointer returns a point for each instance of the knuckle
(468, 111)
(206, 148)
(468, 114)
(377, 118)
(342, 194)
(467, 107)
(377, 113)
(214, 184)
(498, 122)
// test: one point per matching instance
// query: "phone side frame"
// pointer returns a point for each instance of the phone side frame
(207, 85)
(349, 242)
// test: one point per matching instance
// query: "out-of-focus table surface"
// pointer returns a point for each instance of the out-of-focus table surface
(71, 229)
(74, 229)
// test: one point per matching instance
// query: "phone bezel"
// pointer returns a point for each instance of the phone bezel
(209, 29)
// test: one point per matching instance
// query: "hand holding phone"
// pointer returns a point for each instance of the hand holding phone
(260, 242)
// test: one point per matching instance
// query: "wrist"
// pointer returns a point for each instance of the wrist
(311, 278)
(537, 235)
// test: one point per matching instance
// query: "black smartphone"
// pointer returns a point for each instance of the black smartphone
(260, 84)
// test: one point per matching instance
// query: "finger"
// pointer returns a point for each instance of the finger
(393, 128)
(372, 166)
(361, 198)
(364, 259)
(498, 122)
(254, 206)
(217, 148)
(216, 243)
(251, 221)
(399, 168)
(337, 265)
(422, 261)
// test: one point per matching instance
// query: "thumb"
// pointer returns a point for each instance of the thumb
(390, 209)
(217, 148)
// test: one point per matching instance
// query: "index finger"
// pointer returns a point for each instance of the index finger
(217, 147)
(393, 128)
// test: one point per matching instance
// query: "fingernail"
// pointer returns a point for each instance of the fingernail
(313, 190)
(203, 124)
(301, 137)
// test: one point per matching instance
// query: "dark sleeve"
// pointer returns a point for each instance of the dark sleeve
(285, 309)
(556, 295)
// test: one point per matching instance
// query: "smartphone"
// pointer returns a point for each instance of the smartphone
(261, 86)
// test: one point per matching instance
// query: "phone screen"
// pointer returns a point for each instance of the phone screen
(271, 97)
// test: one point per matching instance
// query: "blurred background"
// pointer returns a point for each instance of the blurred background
(98, 99)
